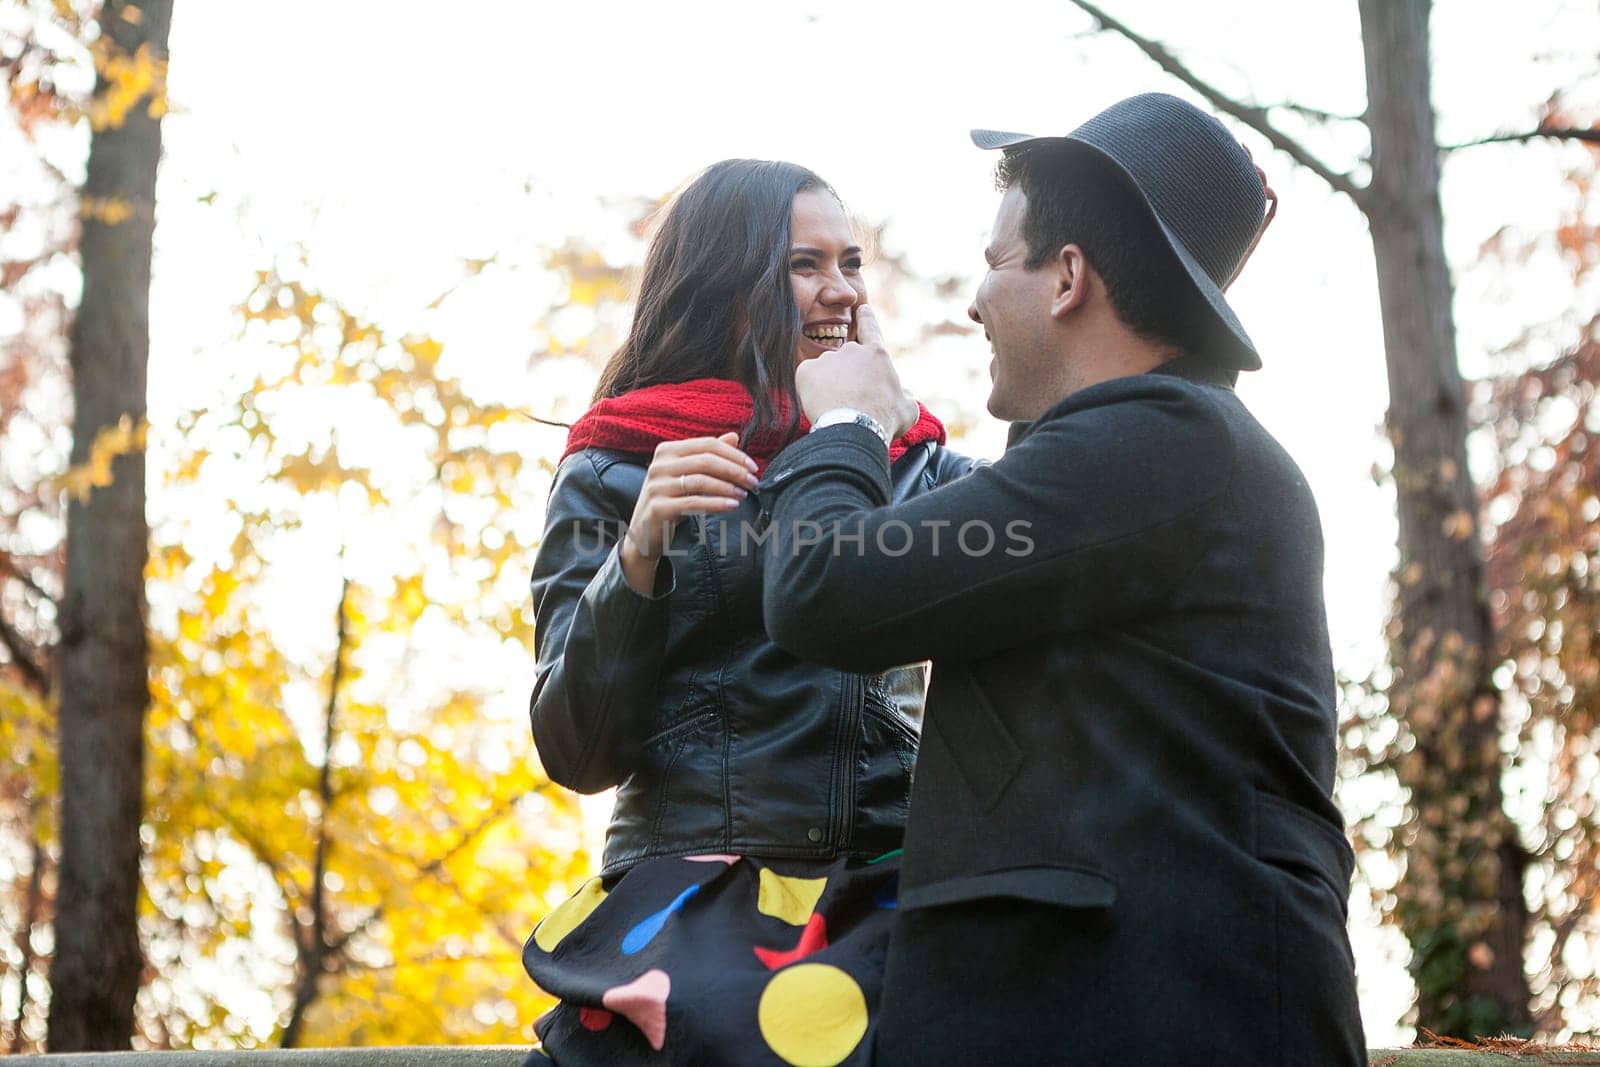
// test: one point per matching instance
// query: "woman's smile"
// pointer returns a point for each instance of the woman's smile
(826, 334)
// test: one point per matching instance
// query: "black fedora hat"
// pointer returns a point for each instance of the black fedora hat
(1198, 182)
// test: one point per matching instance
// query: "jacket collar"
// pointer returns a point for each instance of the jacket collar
(1197, 368)
(1189, 367)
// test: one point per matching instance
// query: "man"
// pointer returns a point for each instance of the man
(1122, 847)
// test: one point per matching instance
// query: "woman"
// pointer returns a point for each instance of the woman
(741, 912)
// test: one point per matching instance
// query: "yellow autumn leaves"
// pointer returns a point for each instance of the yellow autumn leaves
(109, 443)
(442, 842)
(127, 81)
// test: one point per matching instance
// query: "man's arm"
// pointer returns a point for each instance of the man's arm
(1091, 519)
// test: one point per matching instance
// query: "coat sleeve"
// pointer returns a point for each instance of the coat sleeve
(599, 642)
(1090, 518)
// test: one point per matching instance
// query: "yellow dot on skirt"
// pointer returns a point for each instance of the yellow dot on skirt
(790, 899)
(813, 1015)
(567, 918)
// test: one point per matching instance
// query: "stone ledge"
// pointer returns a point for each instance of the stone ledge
(390, 1056)
(506, 1056)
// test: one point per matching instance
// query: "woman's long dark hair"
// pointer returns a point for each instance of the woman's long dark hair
(715, 297)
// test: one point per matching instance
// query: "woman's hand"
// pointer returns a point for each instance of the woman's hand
(692, 477)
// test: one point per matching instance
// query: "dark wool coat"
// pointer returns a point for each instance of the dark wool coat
(1122, 847)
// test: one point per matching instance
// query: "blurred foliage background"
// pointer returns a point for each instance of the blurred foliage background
(264, 632)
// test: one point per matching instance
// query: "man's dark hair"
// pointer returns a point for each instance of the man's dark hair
(1075, 197)
(715, 299)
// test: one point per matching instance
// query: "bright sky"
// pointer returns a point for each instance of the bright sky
(394, 138)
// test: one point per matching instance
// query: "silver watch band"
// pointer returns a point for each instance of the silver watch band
(835, 416)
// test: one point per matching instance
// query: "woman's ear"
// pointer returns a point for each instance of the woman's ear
(1071, 289)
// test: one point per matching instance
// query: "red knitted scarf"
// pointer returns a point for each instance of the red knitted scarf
(705, 407)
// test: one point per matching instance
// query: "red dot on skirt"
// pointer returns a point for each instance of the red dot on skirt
(595, 1019)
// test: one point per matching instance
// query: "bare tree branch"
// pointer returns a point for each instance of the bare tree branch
(30, 918)
(1554, 133)
(435, 960)
(497, 810)
(9, 566)
(1253, 116)
(35, 668)
(1316, 114)
(33, 672)
(287, 886)
(430, 868)
(313, 964)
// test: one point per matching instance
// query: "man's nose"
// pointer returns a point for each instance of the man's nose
(972, 313)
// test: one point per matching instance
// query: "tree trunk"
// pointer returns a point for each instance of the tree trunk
(1461, 901)
(97, 966)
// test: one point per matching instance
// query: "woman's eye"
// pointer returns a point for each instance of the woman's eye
(852, 265)
(801, 264)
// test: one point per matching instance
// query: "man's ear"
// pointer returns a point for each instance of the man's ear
(1072, 281)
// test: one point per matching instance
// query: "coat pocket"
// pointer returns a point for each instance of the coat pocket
(1066, 887)
(1289, 837)
(884, 761)
(675, 790)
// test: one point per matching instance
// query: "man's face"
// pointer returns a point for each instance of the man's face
(1013, 307)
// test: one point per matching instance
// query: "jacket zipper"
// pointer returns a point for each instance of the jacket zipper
(855, 695)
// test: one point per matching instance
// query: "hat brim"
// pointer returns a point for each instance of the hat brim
(1242, 351)
(991, 139)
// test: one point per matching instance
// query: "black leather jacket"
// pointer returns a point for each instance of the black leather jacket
(719, 740)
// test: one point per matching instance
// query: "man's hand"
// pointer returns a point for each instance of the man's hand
(860, 375)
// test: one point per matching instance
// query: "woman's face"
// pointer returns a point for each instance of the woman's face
(825, 270)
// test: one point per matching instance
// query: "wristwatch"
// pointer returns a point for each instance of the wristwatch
(834, 416)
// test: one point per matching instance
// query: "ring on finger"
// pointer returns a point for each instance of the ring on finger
(683, 485)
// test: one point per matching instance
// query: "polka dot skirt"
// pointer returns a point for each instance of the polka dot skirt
(717, 960)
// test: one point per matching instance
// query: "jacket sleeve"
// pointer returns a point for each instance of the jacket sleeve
(599, 642)
(948, 465)
(1090, 518)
